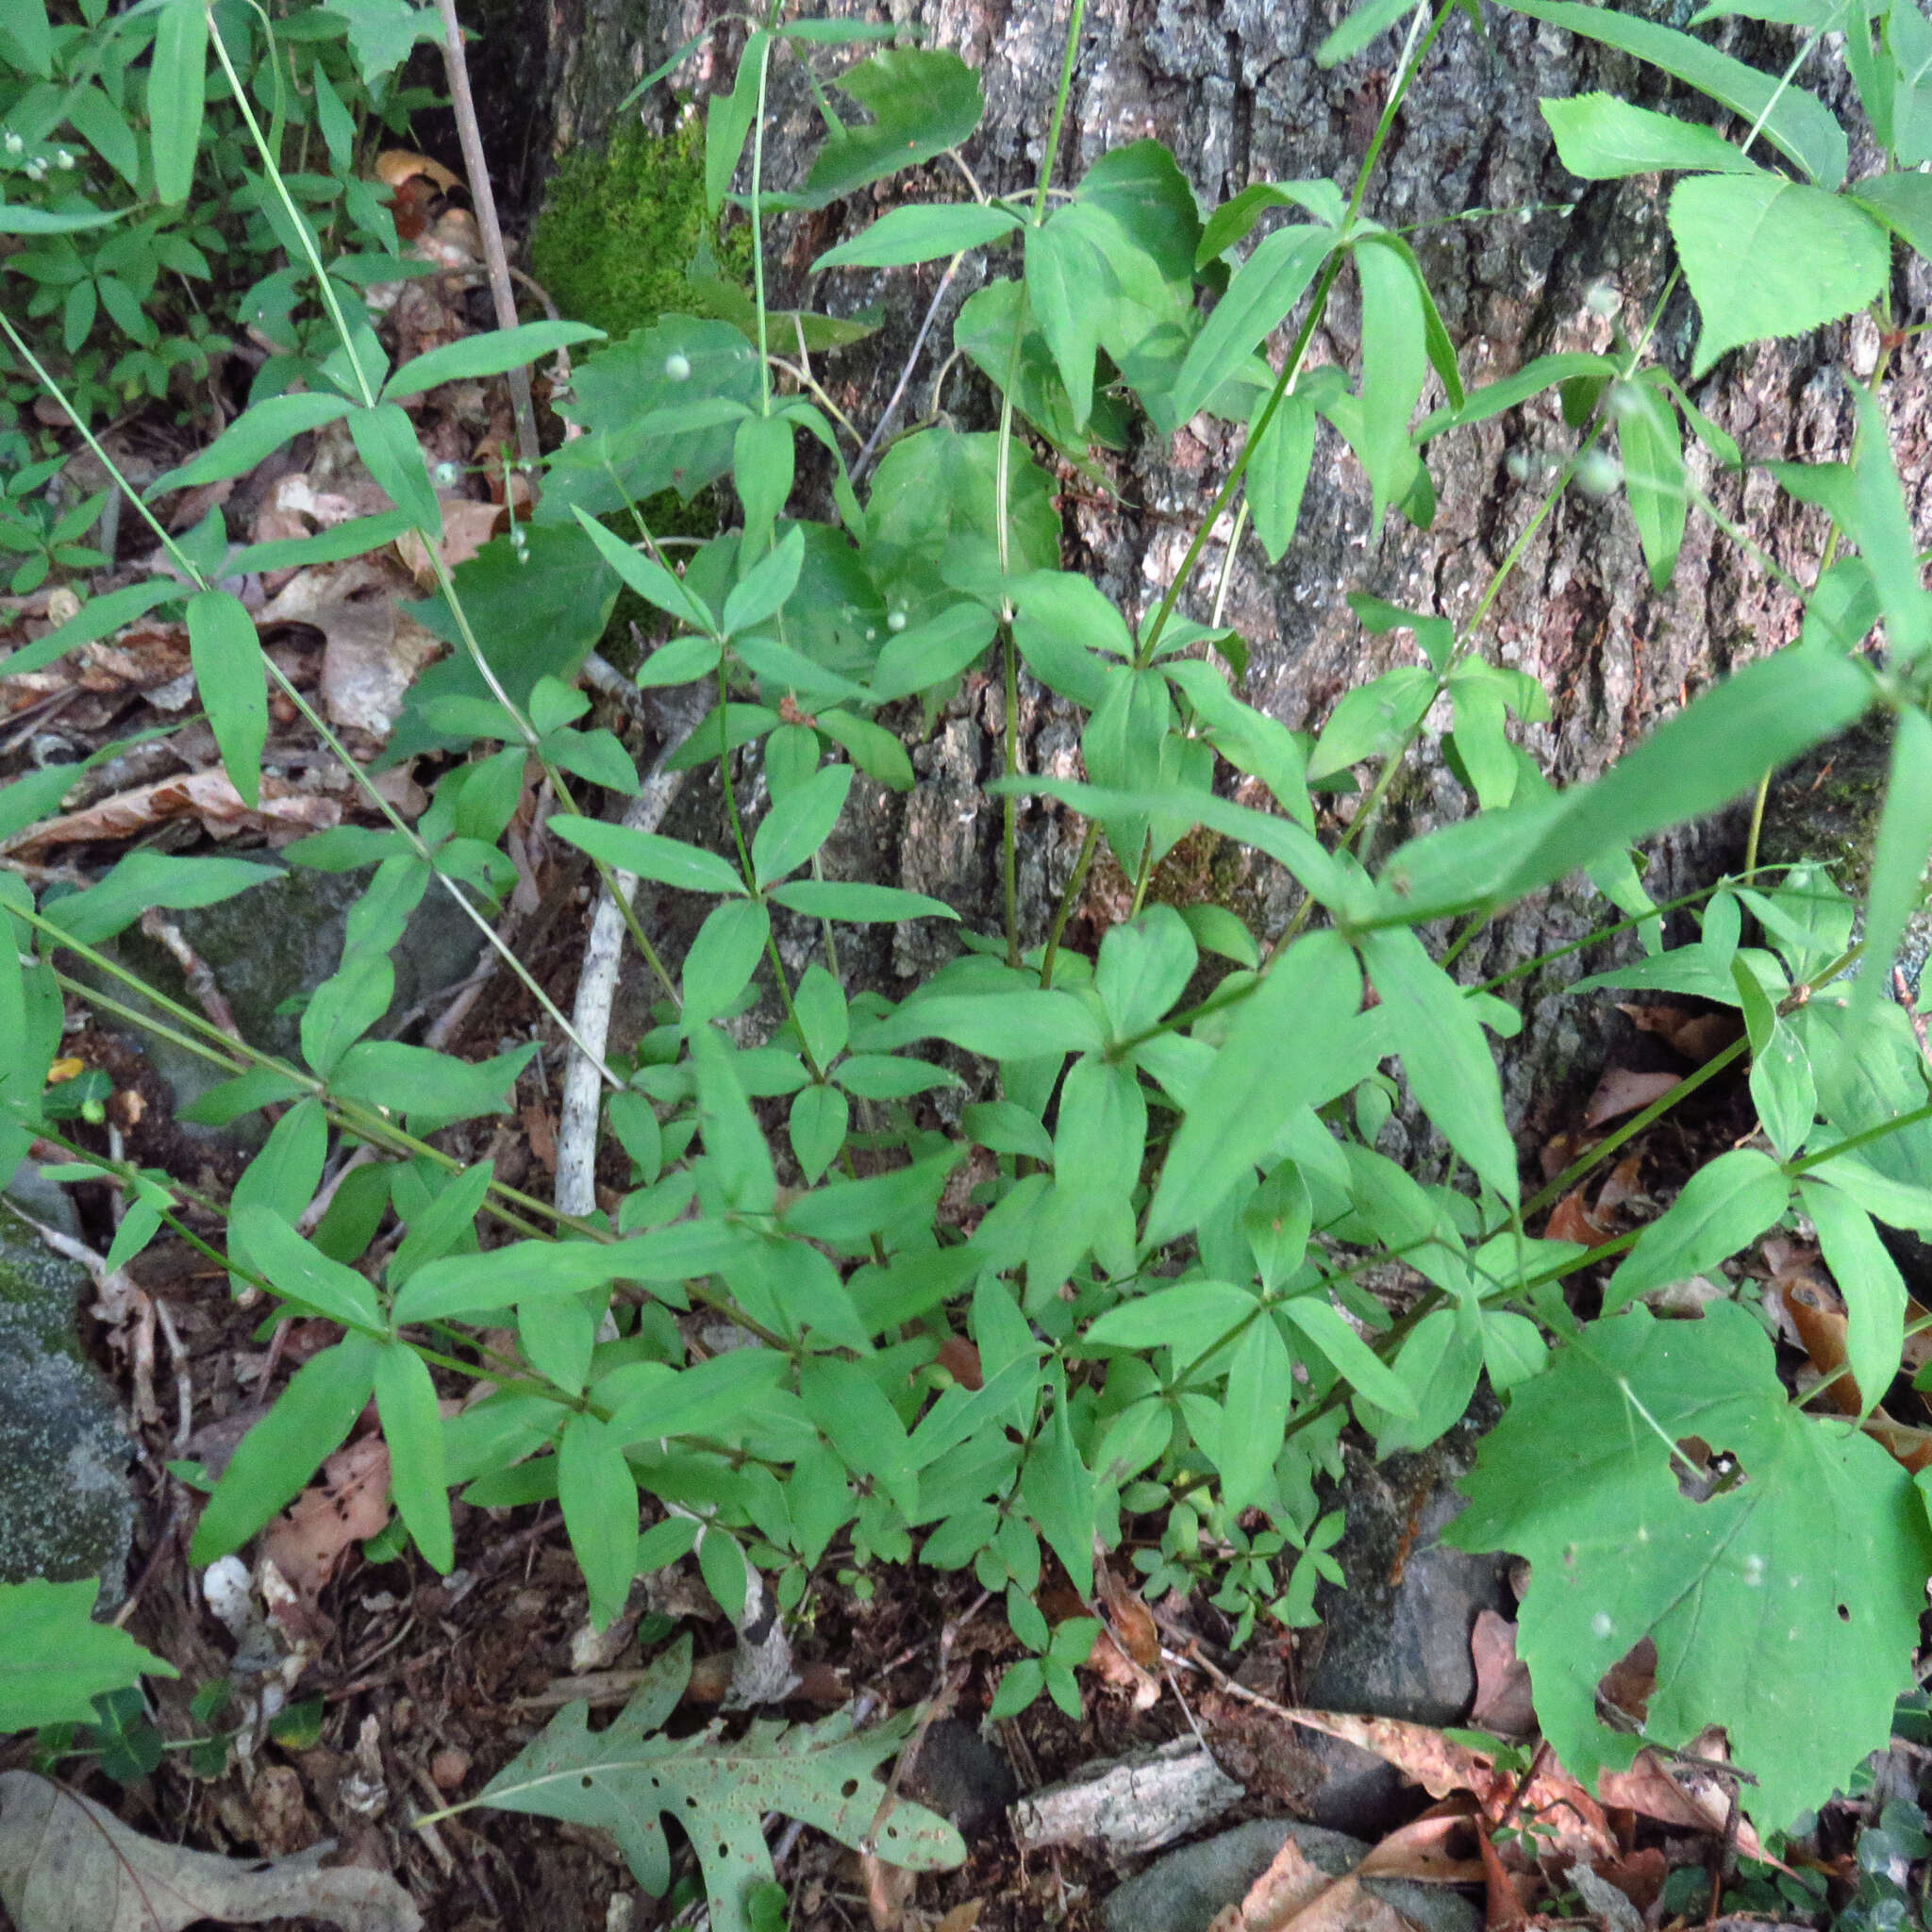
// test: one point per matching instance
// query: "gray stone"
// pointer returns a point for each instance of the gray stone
(961, 1776)
(275, 943)
(1395, 1642)
(1182, 1891)
(41, 1199)
(64, 1508)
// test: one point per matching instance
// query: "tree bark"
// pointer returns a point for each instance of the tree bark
(1232, 87)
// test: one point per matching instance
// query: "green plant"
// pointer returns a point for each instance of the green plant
(1162, 1281)
(33, 528)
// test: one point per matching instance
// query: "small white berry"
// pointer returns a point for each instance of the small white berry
(448, 474)
(896, 622)
(678, 366)
(1598, 473)
(63, 159)
(14, 143)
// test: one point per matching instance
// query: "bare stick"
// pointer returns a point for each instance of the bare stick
(464, 108)
(577, 1132)
(898, 395)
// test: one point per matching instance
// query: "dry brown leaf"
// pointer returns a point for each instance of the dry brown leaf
(395, 165)
(1503, 1702)
(889, 1891)
(372, 651)
(1128, 1617)
(70, 1865)
(348, 1505)
(1296, 1895)
(210, 796)
(1571, 1220)
(1622, 1185)
(1696, 1036)
(962, 1918)
(467, 526)
(1624, 1091)
(1421, 1850)
(960, 1360)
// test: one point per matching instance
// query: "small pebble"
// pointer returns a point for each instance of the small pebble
(449, 1767)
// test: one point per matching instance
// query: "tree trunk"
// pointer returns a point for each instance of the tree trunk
(1234, 89)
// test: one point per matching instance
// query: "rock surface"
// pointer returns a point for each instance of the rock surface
(1396, 1642)
(1182, 1891)
(961, 1776)
(271, 946)
(64, 1508)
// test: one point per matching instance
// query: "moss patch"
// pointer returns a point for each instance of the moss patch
(619, 229)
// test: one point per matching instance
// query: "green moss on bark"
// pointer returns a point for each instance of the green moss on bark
(620, 228)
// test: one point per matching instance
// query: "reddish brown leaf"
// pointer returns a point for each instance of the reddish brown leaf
(1503, 1701)
(1622, 1091)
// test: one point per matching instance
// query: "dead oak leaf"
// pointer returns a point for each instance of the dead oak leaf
(210, 796)
(348, 1505)
(70, 1865)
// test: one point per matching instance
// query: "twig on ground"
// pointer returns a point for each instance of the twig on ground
(576, 1130)
(463, 105)
(311, 1217)
(194, 969)
(872, 442)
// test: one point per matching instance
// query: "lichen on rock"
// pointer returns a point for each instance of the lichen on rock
(64, 1508)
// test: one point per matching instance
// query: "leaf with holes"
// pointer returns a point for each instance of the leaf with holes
(1785, 1607)
(621, 1778)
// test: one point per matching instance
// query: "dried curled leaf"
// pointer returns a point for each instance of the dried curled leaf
(70, 1865)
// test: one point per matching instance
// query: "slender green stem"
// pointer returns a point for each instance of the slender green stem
(1051, 152)
(1090, 840)
(1010, 824)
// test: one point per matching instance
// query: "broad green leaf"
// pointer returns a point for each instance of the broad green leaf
(820, 1116)
(1784, 1607)
(1795, 123)
(1233, 219)
(1327, 1329)
(888, 1077)
(850, 1211)
(925, 233)
(1068, 289)
(1144, 966)
(1723, 1206)
(799, 822)
(1396, 364)
(1713, 751)
(345, 1006)
(57, 1660)
(1058, 1490)
(652, 856)
(429, 1086)
(177, 93)
(922, 100)
(27, 38)
(931, 652)
(257, 433)
(856, 902)
(1277, 474)
(226, 655)
(847, 1403)
(152, 878)
(355, 538)
(15, 220)
(304, 1274)
(1359, 27)
(621, 1778)
(773, 577)
(1873, 1289)
(1300, 1039)
(1783, 1087)
(385, 438)
(310, 1420)
(1022, 1025)
(1602, 138)
(1903, 203)
(1438, 1363)
(650, 580)
(1900, 853)
(1259, 1382)
(599, 1498)
(485, 355)
(95, 619)
(1652, 449)
(722, 958)
(1875, 516)
(1508, 391)
(1261, 297)
(1445, 1054)
(1374, 720)
(1766, 257)
(413, 1427)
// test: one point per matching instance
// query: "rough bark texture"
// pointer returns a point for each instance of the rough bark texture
(1232, 85)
